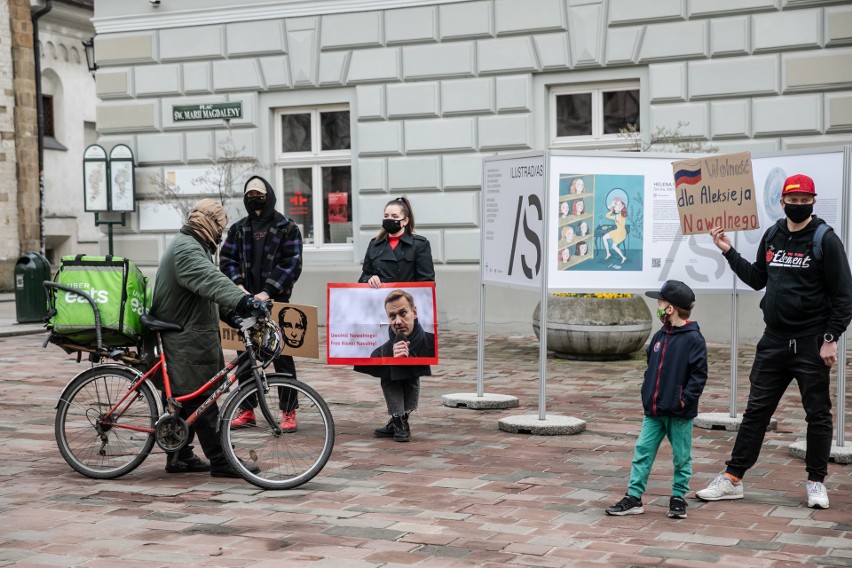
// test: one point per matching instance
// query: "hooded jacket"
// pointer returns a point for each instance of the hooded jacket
(190, 291)
(282, 251)
(804, 297)
(677, 371)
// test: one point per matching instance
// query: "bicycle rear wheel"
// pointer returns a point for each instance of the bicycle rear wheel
(105, 451)
(288, 459)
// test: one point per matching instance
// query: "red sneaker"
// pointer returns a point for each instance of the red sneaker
(244, 419)
(288, 421)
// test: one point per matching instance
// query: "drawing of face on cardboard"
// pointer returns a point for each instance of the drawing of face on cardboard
(293, 323)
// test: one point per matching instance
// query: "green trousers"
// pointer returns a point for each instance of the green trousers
(654, 429)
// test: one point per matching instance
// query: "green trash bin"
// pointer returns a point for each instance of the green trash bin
(30, 297)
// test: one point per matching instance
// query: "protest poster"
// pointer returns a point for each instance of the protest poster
(299, 328)
(360, 332)
(716, 191)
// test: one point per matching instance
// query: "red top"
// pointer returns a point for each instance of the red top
(393, 241)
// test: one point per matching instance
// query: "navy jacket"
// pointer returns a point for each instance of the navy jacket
(677, 371)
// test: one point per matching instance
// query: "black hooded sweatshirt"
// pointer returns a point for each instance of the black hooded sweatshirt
(260, 225)
(804, 296)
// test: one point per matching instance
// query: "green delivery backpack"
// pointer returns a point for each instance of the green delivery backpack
(111, 286)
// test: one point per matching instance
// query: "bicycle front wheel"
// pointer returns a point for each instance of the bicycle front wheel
(105, 449)
(290, 458)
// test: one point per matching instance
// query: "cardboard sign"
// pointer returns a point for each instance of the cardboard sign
(359, 329)
(299, 327)
(716, 191)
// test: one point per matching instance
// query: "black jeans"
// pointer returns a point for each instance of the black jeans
(206, 427)
(288, 399)
(776, 363)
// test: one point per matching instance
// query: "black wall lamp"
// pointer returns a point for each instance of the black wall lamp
(89, 46)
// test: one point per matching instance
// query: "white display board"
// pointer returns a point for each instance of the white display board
(626, 232)
(825, 168)
(513, 220)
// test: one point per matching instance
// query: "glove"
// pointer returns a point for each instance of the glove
(233, 319)
(250, 307)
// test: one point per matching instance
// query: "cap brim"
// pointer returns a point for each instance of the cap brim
(656, 295)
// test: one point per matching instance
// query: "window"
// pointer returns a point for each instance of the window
(49, 125)
(314, 159)
(47, 110)
(592, 116)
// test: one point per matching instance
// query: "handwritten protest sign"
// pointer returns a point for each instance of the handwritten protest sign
(299, 329)
(716, 191)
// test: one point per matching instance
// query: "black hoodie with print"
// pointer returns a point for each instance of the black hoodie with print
(804, 296)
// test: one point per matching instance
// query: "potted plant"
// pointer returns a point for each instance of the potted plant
(595, 326)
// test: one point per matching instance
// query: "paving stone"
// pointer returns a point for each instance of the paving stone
(462, 493)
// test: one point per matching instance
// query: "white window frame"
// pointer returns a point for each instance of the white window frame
(316, 159)
(598, 140)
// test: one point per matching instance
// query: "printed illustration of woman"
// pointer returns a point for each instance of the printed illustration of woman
(577, 186)
(582, 249)
(565, 255)
(568, 234)
(617, 213)
(564, 209)
(583, 229)
(579, 207)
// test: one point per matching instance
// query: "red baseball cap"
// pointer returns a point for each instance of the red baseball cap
(798, 184)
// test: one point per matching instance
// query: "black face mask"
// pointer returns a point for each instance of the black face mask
(799, 212)
(255, 203)
(392, 226)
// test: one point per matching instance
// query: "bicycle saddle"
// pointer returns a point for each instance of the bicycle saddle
(153, 324)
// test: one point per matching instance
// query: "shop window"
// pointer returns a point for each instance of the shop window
(594, 116)
(314, 160)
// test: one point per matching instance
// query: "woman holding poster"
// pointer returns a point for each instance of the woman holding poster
(396, 254)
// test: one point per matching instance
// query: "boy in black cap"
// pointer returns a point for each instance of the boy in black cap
(674, 380)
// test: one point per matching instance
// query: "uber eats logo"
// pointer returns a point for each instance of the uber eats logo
(136, 302)
(99, 296)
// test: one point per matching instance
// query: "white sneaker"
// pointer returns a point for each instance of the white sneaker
(720, 489)
(817, 495)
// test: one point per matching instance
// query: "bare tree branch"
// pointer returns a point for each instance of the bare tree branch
(666, 139)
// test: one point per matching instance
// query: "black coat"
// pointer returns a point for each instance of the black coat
(410, 261)
(422, 344)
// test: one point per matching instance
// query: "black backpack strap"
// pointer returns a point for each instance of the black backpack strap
(770, 235)
(819, 235)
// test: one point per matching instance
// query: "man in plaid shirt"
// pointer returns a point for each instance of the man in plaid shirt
(262, 254)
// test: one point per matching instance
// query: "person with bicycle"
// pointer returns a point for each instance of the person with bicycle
(262, 254)
(192, 292)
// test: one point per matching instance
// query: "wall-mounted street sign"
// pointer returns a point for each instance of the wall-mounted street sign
(214, 111)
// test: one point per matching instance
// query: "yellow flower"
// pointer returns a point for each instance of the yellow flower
(592, 294)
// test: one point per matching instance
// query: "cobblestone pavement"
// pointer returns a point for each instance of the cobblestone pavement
(462, 493)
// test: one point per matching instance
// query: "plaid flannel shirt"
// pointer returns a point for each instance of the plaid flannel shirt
(282, 256)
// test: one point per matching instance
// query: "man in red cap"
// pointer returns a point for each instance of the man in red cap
(806, 307)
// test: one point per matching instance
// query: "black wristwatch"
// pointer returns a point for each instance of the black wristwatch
(828, 338)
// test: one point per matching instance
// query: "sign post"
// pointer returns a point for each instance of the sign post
(109, 185)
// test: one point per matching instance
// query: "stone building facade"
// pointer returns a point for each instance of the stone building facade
(53, 223)
(19, 189)
(428, 88)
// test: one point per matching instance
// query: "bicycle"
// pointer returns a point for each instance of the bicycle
(109, 417)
